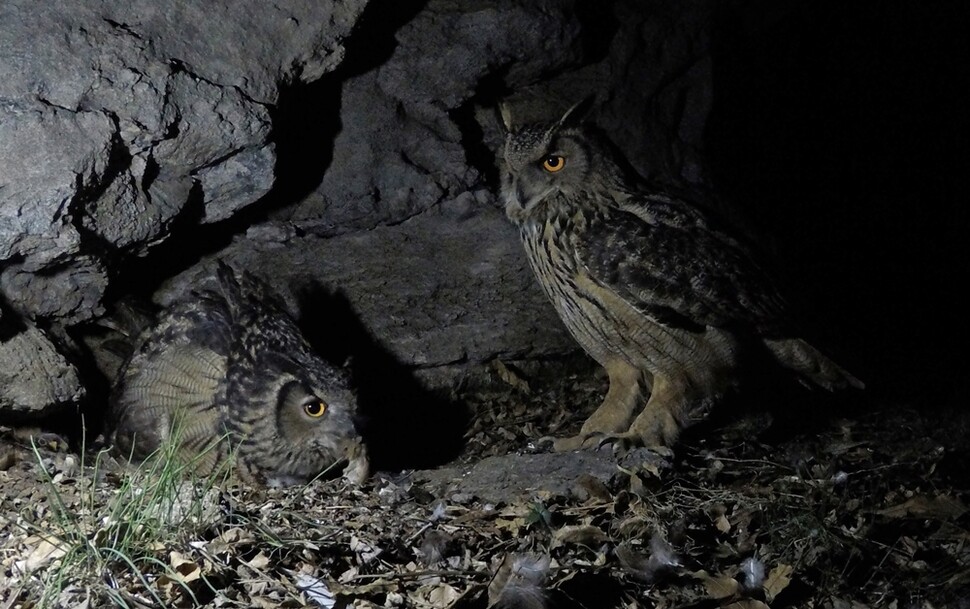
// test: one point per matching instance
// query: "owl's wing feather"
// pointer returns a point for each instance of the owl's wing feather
(668, 264)
(169, 392)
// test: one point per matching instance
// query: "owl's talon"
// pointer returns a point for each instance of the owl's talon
(546, 442)
(624, 443)
(621, 443)
(577, 442)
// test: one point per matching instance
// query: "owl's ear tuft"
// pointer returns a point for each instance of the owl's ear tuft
(577, 113)
(505, 113)
(228, 283)
(224, 272)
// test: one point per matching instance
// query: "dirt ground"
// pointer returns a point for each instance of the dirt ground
(848, 506)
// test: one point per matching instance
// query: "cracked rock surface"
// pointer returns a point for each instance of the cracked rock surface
(136, 138)
(117, 120)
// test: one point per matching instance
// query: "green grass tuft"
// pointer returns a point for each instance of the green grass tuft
(119, 538)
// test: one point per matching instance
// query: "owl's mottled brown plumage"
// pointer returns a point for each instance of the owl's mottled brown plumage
(227, 370)
(665, 300)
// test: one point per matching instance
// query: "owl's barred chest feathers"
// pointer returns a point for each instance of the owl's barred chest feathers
(549, 238)
(553, 262)
(553, 243)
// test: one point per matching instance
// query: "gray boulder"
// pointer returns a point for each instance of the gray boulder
(35, 380)
(133, 135)
(117, 119)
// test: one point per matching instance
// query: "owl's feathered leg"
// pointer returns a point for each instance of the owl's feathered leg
(624, 397)
(676, 402)
(663, 417)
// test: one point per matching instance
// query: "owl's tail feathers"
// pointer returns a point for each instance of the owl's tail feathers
(807, 361)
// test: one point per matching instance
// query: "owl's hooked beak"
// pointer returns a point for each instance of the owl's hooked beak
(519, 199)
(358, 463)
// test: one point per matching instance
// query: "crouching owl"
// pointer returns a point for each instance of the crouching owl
(649, 285)
(228, 373)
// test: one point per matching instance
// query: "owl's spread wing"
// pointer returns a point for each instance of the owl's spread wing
(169, 392)
(672, 267)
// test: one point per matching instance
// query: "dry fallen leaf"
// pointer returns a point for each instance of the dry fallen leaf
(185, 567)
(43, 554)
(441, 595)
(941, 507)
(718, 515)
(263, 602)
(509, 376)
(513, 525)
(184, 571)
(777, 580)
(258, 562)
(717, 587)
(722, 524)
(595, 487)
(365, 550)
(237, 535)
(229, 542)
(584, 535)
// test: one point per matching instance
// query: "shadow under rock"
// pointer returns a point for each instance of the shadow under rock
(307, 117)
(404, 425)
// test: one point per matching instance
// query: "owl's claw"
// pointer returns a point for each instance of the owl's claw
(577, 442)
(622, 442)
(546, 442)
(629, 441)
(562, 445)
(625, 446)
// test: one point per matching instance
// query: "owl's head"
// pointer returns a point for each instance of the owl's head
(302, 413)
(312, 428)
(546, 159)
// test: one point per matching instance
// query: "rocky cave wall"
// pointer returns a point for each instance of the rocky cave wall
(346, 153)
(343, 151)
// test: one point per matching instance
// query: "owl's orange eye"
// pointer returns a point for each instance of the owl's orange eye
(553, 163)
(315, 409)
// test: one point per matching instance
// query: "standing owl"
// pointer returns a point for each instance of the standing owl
(666, 301)
(229, 372)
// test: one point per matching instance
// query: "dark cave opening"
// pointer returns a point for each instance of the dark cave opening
(306, 118)
(839, 129)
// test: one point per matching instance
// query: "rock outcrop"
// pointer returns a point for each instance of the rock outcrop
(135, 139)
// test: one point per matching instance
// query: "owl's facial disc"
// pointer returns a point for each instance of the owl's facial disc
(317, 428)
(542, 162)
(522, 192)
(322, 418)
